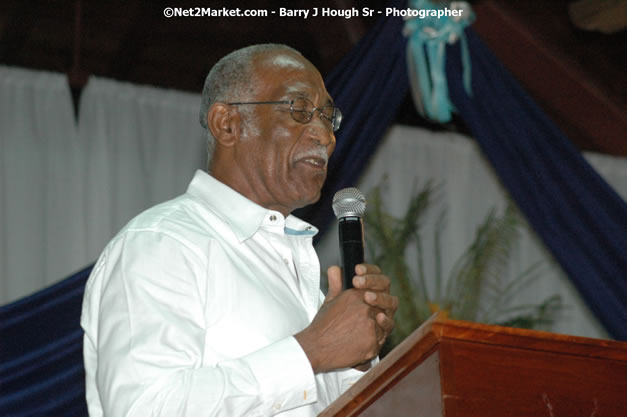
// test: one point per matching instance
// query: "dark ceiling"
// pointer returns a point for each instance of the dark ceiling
(131, 40)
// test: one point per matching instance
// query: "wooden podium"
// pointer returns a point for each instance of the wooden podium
(450, 368)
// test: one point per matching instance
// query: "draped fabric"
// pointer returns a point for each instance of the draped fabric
(579, 217)
(142, 146)
(66, 190)
(41, 352)
(369, 85)
(41, 209)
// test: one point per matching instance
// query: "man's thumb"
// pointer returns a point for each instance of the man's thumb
(334, 274)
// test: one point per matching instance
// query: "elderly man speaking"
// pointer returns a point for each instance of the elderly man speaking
(210, 304)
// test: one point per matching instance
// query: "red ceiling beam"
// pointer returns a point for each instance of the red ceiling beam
(585, 113)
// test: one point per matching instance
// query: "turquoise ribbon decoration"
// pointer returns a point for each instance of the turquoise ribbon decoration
(426, 53)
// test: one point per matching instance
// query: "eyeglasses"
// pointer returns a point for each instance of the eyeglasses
(302, 110)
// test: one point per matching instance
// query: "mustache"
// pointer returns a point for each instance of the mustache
(318, 152)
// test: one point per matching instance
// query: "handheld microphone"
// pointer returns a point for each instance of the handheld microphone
(349, 206)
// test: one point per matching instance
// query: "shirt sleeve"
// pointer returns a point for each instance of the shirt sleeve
(144, 317)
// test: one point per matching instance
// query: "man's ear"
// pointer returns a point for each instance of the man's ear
(224, 124)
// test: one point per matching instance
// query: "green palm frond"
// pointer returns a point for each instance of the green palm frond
(473, 289)
(482, 263)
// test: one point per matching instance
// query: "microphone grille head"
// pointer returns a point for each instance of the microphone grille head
(349, 202)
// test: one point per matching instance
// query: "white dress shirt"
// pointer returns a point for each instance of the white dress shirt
(191, 308)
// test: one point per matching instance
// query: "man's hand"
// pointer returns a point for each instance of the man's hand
(376, 288)
(351, 326)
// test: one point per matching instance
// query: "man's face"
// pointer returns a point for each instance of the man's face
(284, 161)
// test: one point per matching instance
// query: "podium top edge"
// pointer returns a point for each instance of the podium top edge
(443, 329)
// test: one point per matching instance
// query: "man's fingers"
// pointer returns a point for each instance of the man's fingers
(385, 322)
(385, 325)
(372, 281)
(334, 274)
(363, 269)
(384, 301)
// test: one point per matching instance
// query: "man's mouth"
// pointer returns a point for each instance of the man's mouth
(316, 158)
(318, 162)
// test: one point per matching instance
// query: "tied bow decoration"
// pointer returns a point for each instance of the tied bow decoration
(429, 29)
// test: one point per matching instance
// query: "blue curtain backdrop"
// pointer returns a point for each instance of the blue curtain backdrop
(577, 214)
(41, 352)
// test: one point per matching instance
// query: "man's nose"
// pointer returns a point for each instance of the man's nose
(320, 131)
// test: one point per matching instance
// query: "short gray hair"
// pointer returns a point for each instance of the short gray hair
(231, 79)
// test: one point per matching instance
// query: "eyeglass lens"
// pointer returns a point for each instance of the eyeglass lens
(302, 111)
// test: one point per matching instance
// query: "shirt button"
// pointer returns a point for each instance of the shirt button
(277, 405)
(272, 218)
(286, 261)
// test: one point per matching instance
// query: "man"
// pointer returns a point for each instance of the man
(209, 304)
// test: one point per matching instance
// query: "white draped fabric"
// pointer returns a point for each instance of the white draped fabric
(41, 203)
(142, 146)
(66, 190)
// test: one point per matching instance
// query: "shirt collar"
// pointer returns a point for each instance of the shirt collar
(242, 215)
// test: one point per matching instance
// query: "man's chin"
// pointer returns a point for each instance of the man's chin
(308, 199)
(316, 192)
(308, 192)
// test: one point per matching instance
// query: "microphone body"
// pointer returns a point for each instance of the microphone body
(351, 231)
(349, 206)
